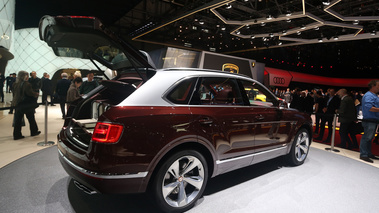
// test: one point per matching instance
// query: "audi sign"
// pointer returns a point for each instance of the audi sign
(279, 80)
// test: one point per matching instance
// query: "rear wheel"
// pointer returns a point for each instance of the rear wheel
(180, 181)
(300, 148)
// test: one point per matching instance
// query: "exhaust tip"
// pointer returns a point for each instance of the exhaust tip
(84, 188)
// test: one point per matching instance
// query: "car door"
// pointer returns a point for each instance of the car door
(270, 130)
(220, 115)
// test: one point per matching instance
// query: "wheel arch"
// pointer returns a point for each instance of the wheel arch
(203, 150)
(309, 129)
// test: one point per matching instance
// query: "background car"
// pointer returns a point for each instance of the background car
(165, 132)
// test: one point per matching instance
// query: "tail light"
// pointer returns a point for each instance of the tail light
(107, 132)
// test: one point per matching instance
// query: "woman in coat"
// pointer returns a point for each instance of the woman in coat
(24, 103)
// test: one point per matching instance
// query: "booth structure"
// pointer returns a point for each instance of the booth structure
(283, 78)
(270, 77)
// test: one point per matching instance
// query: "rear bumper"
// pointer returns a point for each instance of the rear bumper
(99, 182)
(103, 183)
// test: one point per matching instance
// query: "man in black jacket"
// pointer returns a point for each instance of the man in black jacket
(47, 89)
(61, 90)
(35, 82)
(347, 115)
(88, 85)
(332, 104)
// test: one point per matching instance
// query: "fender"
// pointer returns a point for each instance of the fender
(171, 146)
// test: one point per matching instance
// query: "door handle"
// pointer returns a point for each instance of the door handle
(206, 121)
(259, 117)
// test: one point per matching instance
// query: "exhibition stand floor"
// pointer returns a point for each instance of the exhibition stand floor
(326, 182)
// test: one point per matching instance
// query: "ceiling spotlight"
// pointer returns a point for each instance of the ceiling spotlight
(223, 28)
(298, 33)
(268, 17)
(280, 43)
(263, 24)
(228, 6)
(271, 35)
(373, 32)
(264, 39)
(303, 27)
(201, 22)
(288, 20)
(335, 38)
(284, 32)
(245, 0)
(238, 32)
(288, 13)
(320, 40)
(317, 28)
(5, 36)
(326, 3)
(252, 37)
(247, 26)
(355, 22)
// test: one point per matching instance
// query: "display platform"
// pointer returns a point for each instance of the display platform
(325, 183)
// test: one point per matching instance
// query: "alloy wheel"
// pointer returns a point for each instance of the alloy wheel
(302, 146)
(183, 181)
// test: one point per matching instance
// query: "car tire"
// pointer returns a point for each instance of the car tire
(300, 148)
(180, 181)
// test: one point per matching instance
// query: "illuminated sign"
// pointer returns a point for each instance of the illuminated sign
(228, 67)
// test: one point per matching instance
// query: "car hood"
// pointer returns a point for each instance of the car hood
(87, 38)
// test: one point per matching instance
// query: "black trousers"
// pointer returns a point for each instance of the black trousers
(2, 94)
(44, 97)
(318, 119)
(62, 103)
(326, 118)
(347, 129)
(18, 115)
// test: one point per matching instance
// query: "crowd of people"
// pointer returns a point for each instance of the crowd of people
(26, 87)
(348, 106)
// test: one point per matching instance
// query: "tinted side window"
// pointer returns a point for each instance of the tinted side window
(217, 91)
(182, 93)
(258, 95)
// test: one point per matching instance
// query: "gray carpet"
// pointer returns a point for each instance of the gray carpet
(325, 183)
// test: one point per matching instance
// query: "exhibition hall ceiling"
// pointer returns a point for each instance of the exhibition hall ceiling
(322, 37)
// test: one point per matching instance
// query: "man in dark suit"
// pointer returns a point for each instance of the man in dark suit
(332, 104)
(347, 115)
(61, 89)
(47, 89)
(35, 82)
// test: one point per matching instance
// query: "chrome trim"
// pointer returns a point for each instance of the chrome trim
(247, 156)
(263, 122)
(79, 142)
(102, 176)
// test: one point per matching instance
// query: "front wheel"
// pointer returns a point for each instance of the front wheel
(180, 181)
(300, 148)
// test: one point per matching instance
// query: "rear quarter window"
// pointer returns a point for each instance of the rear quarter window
(182, 92)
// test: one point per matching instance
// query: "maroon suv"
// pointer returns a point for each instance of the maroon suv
(165, 131)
